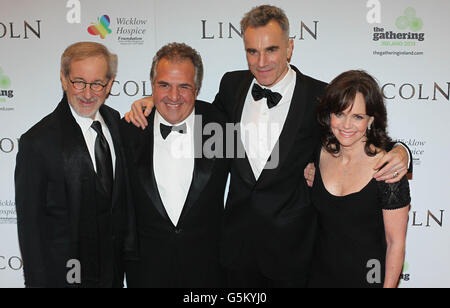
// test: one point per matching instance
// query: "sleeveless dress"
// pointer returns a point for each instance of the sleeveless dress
(351, 242)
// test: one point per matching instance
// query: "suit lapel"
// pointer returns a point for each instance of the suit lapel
(144, 162)
(290, 128)
(202, 165)
(242, 163)
(77, 165)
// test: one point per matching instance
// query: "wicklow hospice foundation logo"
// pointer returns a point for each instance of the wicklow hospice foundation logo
(127, 30)
(101, 27)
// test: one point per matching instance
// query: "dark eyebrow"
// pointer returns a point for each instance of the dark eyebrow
(272, 48)
(161, 82)
(186, 85)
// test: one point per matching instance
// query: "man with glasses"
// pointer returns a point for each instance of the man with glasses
(71, 186)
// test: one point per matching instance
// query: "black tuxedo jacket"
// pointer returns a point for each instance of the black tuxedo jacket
(269, 223)
(54, 179)
(186, 255)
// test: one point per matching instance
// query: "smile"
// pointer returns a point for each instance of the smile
(347, 134)
(173, 105)
(264, 71)
(86, 103)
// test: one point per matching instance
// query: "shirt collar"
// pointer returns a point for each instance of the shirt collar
(190, 120)
(86, 123)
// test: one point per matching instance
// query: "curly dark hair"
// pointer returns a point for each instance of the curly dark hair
(340, 95)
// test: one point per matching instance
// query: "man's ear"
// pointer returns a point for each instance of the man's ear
(290, 49)
(110, 84)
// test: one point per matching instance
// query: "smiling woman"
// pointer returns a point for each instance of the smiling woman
(363, 222)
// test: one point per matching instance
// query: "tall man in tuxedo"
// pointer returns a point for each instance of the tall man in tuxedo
(70, 182)
(269, 223)
(178, 181)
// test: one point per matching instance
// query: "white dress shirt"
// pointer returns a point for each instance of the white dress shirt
(90, 135)
(173, 164)
(261, 127)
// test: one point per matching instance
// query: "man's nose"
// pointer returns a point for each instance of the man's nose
(174, 94)
(262, 60)
(87, 92)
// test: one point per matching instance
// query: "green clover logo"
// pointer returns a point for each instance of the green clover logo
(409, 20)
(5, 82)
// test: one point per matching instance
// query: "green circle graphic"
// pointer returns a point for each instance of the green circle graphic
(402, 22)
(410, 12)
(5, 82)
(416, 24)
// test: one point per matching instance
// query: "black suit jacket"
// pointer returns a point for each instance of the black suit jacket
(186, 255)
(269, 223)
(54, 178)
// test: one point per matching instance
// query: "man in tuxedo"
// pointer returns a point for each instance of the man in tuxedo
(178, 180)
(269, 222)
(70, 180)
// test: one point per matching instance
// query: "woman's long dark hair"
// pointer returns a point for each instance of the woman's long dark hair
(339, 95)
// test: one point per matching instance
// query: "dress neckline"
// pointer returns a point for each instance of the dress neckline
(328, 192)
(344, 196)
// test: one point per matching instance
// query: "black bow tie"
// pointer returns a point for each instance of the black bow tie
(273, 98)
(166, 130)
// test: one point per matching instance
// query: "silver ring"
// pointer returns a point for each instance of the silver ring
(395, 174)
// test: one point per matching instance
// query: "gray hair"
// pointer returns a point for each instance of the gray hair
(260, 16)
(177, 52)
(84, 50)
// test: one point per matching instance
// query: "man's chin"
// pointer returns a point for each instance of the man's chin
(85, 110)
(86, 113)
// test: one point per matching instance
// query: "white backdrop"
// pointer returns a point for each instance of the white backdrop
(330, 37)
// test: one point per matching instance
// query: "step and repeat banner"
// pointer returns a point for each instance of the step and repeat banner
(404, 44)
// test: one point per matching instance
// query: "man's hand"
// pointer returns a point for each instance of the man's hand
(139, 112)
(396, 168)
(310, 171)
